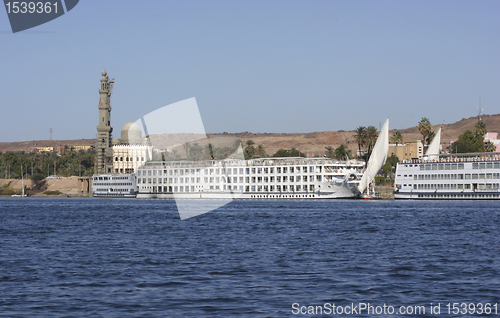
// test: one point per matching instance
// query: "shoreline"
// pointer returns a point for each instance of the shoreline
(64, 187)
(69, 188)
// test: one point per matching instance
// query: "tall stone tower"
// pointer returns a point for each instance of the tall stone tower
(104, 129)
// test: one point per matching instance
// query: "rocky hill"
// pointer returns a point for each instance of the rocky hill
(313, 143)
(450, 132)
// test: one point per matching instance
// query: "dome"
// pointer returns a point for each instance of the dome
(104, 73)
(131, 134)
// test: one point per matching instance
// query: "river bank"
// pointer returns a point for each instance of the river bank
(64, 187)
(70, 187)
(386, 192)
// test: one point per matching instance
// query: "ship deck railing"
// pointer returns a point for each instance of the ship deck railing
(466, 157)
(252, 162)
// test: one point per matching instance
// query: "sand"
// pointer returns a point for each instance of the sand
(67, 186)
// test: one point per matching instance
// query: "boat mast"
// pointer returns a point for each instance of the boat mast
(22, 180)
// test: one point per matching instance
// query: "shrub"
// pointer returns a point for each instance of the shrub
(37, 177)
(379, 181)
(55, 192)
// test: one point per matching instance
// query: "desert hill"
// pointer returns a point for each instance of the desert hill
(313, 143)
(450, 132)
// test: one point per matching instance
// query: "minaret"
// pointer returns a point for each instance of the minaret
(104, 129)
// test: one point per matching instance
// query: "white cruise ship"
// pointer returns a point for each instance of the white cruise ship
(449, 178)
(114, 185)
(473, 176)
(265, 178)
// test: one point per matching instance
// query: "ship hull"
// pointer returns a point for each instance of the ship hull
(114, 195)
(248, 196)
(341, 191)
(447, 196)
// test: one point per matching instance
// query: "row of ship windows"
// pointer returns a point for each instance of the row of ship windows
(127, 170)
(232, 180)
(458, 196)
(451, 176)
(112, 184)
(278, 188)
(110, 178)
(114, 190)
(241, 171)
(459, 166)
(128, 159)
(465, 186)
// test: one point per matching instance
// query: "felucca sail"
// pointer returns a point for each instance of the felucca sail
(432, 152)
(377, 158)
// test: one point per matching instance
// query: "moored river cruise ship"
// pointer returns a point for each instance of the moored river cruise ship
(114, 185)
(264, 178)
(475, 176)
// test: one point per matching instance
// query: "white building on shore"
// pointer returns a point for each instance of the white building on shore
(130, 153)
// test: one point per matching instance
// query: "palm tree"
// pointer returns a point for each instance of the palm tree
(430, 137)
(210, 151)
(424, 126)
(359, 137)
(330, 152)
(65, 150)
(490, 147)
(341, 152)
(370, 137)
(249, 150)
(480, 129)
(261, 152)
(397, 138)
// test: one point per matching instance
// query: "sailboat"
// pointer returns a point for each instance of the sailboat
(432, 152)
(22, 186)
(377, 160)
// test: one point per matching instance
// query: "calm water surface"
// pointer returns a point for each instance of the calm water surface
(135, 258)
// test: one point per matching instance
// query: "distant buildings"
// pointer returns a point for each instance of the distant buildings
(75, 148)
(43, 149)
(59, 149)
(407, 150)
(493, 137)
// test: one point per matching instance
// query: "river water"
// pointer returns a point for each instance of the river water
(68, 257)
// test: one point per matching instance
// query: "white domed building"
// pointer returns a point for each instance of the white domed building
(131, 152)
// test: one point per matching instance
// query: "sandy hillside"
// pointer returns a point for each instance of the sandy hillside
(312, 143)
(68, 186)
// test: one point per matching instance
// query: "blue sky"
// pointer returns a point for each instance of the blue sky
(258, 66)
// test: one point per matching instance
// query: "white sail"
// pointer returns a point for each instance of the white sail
(432, 152)
(377, 158)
